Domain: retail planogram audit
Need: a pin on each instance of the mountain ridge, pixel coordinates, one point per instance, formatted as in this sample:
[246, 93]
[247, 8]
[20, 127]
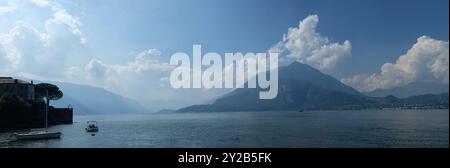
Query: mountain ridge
[87, 99]
[412, 89]
[302, 87]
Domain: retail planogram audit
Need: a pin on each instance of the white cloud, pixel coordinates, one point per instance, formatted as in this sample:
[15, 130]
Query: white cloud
[305, 44]
[26, 49]
[426, 60]
[7, 7]
[41, 3]
[144, 61]
[21, 41]
[147, 60]
[111, 75]
[145, 78]
[96, 69]
[73, 72]
[61, 16]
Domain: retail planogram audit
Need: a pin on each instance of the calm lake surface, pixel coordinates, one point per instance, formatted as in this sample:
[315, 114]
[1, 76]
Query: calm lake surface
[367, 128]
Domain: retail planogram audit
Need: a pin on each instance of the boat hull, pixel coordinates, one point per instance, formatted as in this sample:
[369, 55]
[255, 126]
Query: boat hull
[38, 135]
[91, 129]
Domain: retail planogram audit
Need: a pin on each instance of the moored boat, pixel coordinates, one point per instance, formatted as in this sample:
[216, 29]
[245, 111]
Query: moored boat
[38, 135]
[92, 126]
[35, 135]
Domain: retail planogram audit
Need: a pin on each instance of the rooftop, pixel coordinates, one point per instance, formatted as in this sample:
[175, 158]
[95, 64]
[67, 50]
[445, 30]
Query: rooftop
[9, 80]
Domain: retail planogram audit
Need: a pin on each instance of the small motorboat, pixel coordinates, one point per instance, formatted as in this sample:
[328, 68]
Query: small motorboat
[36, 135]
[92, 126]
[301, 110]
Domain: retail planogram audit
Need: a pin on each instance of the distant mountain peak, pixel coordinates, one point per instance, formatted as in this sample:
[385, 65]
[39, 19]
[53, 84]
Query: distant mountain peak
[306, 73]
[301, 66]
[296, 63]
[300, 86]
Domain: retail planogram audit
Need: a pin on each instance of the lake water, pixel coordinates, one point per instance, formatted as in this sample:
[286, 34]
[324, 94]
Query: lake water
[367, 128]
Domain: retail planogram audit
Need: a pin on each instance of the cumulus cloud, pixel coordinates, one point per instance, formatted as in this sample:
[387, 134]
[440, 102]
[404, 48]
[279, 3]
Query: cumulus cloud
[96, 69]
[26, 49]
[305, 44]
[148, 60]
[41, 3]
[145, 78]
[145, 63]
[140, 78]
[7, 7]
[61, 16]
[73, 72]
[426, 60]
[14, 44]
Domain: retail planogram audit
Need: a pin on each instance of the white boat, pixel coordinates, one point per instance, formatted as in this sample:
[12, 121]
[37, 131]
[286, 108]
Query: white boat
[35, 135]
[92, 126]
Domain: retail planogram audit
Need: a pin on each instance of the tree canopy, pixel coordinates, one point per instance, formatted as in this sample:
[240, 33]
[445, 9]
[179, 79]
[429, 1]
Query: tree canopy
[12, 103]
[53, 91]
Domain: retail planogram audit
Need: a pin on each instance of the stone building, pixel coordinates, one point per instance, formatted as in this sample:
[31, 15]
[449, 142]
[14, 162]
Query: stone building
[35, 117]
[18, 87]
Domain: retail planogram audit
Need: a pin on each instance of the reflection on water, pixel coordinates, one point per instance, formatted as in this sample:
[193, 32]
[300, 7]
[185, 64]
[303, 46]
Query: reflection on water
[368, 128]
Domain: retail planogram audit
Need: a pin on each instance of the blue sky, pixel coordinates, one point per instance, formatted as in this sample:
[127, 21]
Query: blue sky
[379, 30]
[91, 39]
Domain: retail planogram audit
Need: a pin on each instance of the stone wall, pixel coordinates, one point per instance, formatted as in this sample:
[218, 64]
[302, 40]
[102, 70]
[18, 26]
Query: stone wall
[35, 118]
[58, 116]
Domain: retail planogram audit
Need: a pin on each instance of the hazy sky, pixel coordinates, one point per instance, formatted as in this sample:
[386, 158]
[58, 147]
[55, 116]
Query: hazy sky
[124, 46]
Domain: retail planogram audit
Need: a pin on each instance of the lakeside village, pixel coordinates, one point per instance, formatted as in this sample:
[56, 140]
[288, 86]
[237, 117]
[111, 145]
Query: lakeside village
[23, 105]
